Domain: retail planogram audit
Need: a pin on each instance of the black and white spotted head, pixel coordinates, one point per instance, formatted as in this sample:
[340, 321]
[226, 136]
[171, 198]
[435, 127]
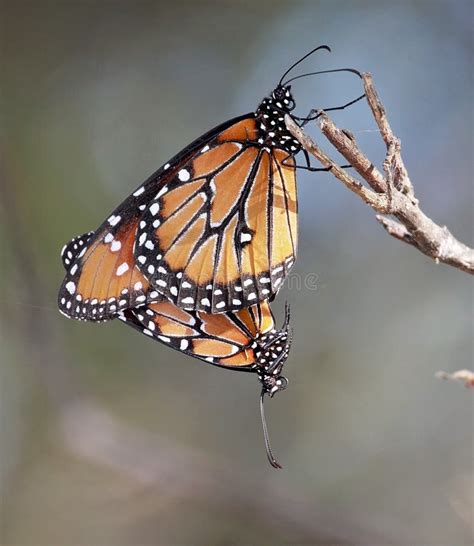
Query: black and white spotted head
[271, 353]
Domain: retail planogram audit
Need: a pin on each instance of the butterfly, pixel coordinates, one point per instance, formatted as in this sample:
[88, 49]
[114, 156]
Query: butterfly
[214, 229]
[246, 341]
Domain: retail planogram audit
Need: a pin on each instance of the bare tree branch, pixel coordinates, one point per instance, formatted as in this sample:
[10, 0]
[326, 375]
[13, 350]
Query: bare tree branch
[465, 376]
[390, 194]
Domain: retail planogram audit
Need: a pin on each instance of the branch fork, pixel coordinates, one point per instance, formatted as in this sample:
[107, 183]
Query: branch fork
[391, 194]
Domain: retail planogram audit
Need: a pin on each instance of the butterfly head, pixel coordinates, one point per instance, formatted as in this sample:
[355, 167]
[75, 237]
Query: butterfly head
[283, 98]
[272, 352]
[277, 104]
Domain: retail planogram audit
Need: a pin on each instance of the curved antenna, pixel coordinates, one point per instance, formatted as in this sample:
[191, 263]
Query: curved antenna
[286, 324]
[353, 70]
[327, 48]
[268, 447]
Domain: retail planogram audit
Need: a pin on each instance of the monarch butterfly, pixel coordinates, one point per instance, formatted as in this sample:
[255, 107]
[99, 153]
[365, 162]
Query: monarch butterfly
[213, 230]
[246, 340]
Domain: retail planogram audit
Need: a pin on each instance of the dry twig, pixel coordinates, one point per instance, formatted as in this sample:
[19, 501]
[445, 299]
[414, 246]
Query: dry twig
[465, 376]
[390, 194]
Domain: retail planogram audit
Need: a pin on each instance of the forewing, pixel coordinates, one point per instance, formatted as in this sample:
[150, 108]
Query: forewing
[102, 275]
[221, 234]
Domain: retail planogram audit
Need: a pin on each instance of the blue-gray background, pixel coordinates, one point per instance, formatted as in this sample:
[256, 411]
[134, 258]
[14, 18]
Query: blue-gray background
[111, 439]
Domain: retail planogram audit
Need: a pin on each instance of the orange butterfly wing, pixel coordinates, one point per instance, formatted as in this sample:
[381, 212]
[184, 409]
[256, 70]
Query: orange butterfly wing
[221, 235]
[226, 339]
[103, 277]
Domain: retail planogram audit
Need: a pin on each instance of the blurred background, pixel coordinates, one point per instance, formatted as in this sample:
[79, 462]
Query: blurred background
[110, 438]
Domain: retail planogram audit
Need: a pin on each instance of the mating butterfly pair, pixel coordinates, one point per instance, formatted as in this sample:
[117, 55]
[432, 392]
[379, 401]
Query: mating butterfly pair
[195, 254]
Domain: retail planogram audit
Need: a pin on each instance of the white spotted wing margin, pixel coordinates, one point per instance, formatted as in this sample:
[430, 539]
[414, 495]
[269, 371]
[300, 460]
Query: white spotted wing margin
[73, 302]
[73, 248]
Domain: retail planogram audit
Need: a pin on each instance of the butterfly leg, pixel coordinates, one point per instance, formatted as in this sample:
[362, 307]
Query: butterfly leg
[315, 114]
[308, 166]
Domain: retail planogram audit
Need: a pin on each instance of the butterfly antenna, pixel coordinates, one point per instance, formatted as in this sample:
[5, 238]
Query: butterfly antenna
[268, 447]
[327, 48]
[286, 324]
[353, 70]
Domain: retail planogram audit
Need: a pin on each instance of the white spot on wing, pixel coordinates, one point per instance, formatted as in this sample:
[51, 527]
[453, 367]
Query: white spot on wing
[163, 190]
[114, 220]
[122, 268]
[71, 287]
[116, 245]
[184, 175]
